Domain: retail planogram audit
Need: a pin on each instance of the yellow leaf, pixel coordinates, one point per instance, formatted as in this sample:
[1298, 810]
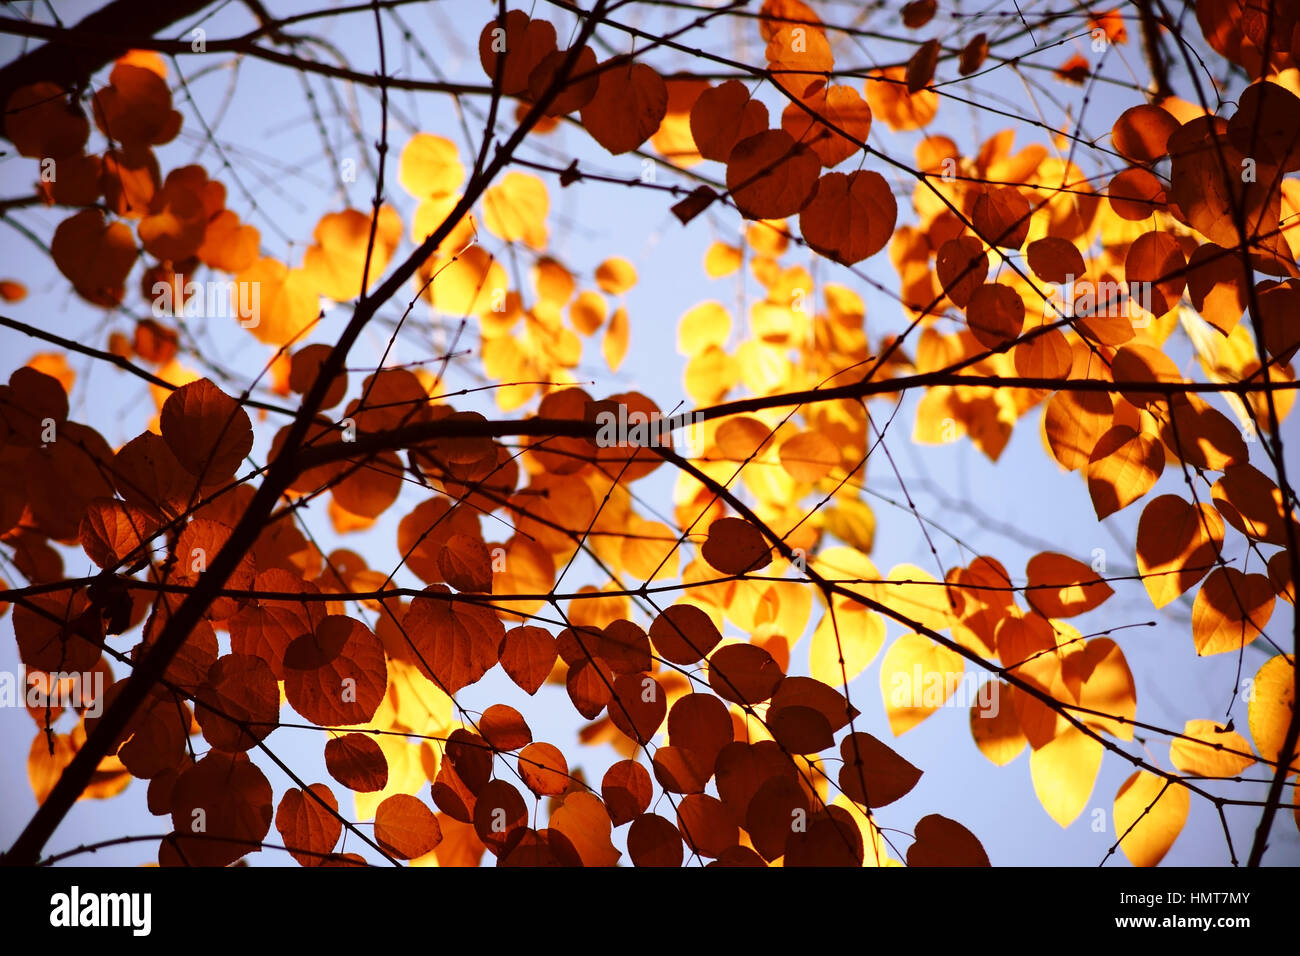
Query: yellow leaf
[553, 281]
[285, 303]
[430, 167]
[588, 311]
[702, 326]
[847, 566]
[1272, 704]
[1064, 772]
[1098, 676]
[853, 522]
[785, 607]
[1204, 757]
[468, 285]
[334, 265]
[1156, 818]
[516, 209]
[721, 260]
[916, 594]
[763, 367]
[994, 725]
[809, 456]
[710, 375]
[615, 275]
[616, 338]
[916, 677]
[861, 632]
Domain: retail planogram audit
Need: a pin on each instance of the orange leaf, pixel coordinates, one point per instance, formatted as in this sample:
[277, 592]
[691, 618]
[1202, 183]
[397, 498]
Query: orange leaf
[1250, 501]
[357, 762]
[1055, 260]
[839, 120]
[918, 13]
[638, 706]
[962, 266]
[1156, 260]
[309, 830]
[626, 790]
[455, 643]
[239, 687]
[1177, 543]
[849, 217]
[944, 842]
[796, 54]
[466, 564]
[1230, 610]
[920, 68]
[94, 255]
[744, 673]
[1135, 194]
[1001, 217]
[706, 825]
[405, 827]
[628, 107]
[771, 176]
[996, 729]
[225, 799]
[1060, 586]
[872, 773]
[723, 116]
[544, 769]
[524, 41]
[337, 674]
[973, 54]
[1074, 422]
[1123, 467]
[654, 841]
[683, 634]
[207, 431]
[808, 456]
[498, 814]
[42, 120]
[889, 99]
[995, 314]
[734, 546]
[528, 656]
[1141, 134]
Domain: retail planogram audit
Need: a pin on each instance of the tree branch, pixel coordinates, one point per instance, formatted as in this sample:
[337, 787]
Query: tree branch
[71, 64]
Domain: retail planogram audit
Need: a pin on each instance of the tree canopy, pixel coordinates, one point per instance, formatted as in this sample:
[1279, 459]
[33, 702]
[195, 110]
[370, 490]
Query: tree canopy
[619, 432]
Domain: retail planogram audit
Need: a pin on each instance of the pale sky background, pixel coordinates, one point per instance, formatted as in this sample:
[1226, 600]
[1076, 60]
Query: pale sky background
[1023, 505]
